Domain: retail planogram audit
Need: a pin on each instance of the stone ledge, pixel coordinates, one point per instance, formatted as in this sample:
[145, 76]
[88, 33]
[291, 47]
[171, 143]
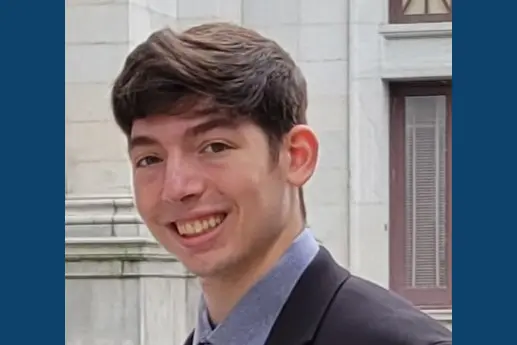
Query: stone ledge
[119, 258]
[103, 216]
[442, 315]
[86, 210]
[416, 30]
[431, 72]
[113, 248]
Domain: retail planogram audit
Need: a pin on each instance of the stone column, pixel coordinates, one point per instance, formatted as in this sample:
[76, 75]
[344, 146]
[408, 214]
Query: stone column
[323, 57]
[369, 143]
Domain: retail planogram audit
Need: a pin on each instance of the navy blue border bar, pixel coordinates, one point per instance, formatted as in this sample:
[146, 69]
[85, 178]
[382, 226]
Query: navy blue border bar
[32, 171]
[484, 173]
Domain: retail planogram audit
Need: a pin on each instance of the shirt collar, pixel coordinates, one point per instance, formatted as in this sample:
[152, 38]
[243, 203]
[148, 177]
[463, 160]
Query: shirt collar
[257, 311]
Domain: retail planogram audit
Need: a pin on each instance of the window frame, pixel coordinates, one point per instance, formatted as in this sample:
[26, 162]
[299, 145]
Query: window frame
[425, 298]
[397, 16]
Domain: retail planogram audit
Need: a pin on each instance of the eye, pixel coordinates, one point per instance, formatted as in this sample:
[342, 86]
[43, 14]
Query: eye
[215, 147]
[147, 161]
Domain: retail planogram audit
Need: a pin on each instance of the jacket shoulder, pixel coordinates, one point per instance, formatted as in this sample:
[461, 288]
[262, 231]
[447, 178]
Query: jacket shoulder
[365, 313]
[190, 339]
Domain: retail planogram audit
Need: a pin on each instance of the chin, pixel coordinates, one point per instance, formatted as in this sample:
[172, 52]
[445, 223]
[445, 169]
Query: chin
[202, 271]
[206, 266]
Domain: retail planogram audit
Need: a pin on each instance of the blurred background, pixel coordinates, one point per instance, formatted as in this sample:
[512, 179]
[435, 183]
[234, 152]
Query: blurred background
[379, 75]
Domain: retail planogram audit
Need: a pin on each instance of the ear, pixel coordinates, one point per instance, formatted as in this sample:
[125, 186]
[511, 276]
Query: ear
[302, 150]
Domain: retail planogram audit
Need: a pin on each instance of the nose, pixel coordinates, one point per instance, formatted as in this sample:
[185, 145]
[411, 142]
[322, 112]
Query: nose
[182, 183]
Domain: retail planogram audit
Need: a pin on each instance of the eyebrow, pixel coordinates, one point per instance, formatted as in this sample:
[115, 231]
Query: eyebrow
[194, 131]
[210, 124]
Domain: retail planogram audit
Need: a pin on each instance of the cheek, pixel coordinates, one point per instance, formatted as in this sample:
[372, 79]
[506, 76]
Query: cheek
[146, 194]
[250, 190]
[245, 179]
[235, 180]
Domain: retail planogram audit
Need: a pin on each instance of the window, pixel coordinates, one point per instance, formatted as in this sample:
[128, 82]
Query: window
[420, 11]
[420, 193]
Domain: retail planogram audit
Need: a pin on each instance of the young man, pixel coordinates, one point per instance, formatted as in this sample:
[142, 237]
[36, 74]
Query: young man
[216, 124]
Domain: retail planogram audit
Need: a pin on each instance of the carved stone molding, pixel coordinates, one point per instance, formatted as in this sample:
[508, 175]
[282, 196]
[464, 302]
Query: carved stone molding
[106, 216]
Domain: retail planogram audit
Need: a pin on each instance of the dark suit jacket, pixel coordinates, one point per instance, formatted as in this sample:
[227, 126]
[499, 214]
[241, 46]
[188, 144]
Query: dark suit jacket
[330, 306]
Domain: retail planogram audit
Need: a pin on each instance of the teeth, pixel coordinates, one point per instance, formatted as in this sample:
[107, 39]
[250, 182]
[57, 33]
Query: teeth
[199, 226]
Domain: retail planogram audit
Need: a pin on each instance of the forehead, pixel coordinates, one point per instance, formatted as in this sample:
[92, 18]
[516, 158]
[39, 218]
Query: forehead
[185, 107]
[179, 125]
[162, 123]
[187, 112]
[165, 130]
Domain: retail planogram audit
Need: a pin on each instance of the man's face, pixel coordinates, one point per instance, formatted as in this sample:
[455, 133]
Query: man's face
[208, 189]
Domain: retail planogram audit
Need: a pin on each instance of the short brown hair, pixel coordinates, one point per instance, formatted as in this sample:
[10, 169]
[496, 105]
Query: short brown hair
[235, 68]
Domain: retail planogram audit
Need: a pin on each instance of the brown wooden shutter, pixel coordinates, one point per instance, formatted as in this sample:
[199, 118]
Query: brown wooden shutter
[420, 248]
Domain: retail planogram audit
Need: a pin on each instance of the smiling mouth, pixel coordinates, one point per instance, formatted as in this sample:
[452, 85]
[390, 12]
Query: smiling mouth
[199, 226]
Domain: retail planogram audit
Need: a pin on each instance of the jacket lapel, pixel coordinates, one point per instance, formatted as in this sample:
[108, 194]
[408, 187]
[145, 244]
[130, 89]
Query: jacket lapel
[299, 319]
[190, 339]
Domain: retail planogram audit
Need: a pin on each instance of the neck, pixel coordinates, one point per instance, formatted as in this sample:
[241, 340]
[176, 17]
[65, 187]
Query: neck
[222, 293]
